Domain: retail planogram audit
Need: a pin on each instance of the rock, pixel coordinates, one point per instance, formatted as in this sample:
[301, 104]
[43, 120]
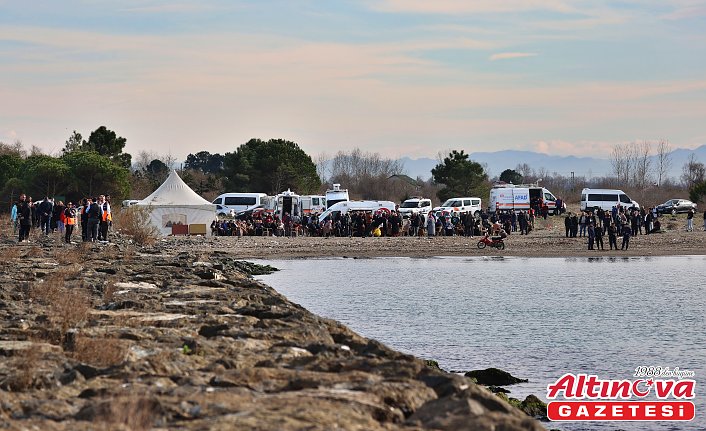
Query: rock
[471, 410]
[531, 405]
[494, 377]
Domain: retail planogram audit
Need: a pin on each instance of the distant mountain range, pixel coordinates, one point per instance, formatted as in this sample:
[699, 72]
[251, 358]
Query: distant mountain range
[498, 161]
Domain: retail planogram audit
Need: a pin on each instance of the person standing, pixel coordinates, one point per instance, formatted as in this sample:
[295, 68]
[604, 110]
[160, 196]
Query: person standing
[704, 220]
[45, 210]
[522, 220]
[13, 218]
[24, 216]
[574, 225]
[567, 224]
[612, 236]
[58, 217]
[690, 220]
[106, 218]
[83, 211]
[627, 231]
[431, 225]
[591, 235]
[599, 238]
[69, 221]
[93, 214]
[582, 224]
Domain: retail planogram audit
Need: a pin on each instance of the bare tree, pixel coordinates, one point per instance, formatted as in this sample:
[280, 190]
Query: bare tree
[364, 174]
[16, 148]
[322, 166]
[526, 171]
[35, 151]
[663, 160]
[693, 172]
[642, 164]
[619, 162]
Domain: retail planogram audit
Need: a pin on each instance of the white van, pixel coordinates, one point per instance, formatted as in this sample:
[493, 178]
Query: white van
[605, 199]
[345, 207]
[461, 205]
[520, 198]
[336, 195]
[240, 202]
[415, 205]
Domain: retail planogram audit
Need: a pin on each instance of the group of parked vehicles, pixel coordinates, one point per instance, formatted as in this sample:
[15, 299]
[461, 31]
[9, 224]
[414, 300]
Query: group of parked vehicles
[503, 197]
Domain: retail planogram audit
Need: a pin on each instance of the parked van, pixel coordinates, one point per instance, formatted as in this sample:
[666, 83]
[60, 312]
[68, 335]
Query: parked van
[461, 205]
[415, 205]
[313, 204]
[345, 207]
[605, 199]
[288, 202]
[336, 195]
[240, 202]
[521, 197]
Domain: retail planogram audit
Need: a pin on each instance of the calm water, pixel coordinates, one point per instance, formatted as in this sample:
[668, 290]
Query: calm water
[534, 317]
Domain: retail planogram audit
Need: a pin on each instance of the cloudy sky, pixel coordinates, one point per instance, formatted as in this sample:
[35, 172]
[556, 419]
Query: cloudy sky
[399, 77]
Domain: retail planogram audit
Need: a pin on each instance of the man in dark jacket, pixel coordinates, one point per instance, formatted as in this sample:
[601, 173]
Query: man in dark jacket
[627, 232]
[45, 211]
[94, 217]
[24, 216]
[599, 238]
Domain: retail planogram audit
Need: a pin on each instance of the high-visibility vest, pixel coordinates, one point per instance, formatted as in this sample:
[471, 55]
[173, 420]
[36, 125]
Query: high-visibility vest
[105, 213]
[70, 220]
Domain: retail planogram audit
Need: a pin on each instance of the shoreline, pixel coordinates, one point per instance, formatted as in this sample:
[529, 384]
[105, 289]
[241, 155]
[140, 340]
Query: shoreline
[546, 243]
[178, 336]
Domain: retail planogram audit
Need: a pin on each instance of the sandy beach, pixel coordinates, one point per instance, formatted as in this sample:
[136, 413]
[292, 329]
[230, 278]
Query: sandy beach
[547, 240]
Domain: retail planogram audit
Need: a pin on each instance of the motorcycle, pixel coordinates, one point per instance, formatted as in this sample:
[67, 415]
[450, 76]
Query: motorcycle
[492, 242]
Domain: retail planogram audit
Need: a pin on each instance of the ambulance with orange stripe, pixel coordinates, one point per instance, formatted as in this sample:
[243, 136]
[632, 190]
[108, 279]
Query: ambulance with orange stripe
[520, 197]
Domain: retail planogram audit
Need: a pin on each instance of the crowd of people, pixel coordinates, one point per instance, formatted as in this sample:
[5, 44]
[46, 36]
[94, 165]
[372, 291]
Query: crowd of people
[618, 222]
[378, 223]
[92, 215]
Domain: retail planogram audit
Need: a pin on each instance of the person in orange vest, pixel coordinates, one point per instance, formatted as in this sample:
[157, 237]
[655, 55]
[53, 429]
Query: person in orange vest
[69, 221]
[106, 218]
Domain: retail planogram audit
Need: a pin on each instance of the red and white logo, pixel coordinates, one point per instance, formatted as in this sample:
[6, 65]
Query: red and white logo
[586, 397]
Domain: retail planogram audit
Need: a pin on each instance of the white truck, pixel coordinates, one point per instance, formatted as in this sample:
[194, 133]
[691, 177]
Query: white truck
[415, 205]
[336, 195]
[520, 197]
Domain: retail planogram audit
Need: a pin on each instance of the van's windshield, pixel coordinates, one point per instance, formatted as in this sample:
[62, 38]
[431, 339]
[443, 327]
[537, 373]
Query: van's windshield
[452, 203]
[408, 204]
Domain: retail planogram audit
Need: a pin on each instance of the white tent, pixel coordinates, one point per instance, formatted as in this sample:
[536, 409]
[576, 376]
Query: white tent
[175, 203]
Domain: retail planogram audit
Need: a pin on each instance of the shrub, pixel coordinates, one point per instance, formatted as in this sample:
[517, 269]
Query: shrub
[99, 352]
[135, 222]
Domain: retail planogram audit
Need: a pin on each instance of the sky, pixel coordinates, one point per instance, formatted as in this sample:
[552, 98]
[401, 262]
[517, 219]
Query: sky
[396, 77]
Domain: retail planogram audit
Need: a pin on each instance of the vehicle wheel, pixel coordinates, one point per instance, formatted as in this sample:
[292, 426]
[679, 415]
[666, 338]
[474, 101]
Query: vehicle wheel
[501, 246]
[674, 211]
[481, 245]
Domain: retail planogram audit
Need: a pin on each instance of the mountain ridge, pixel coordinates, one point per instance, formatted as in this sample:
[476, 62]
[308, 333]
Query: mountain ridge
[498, 161]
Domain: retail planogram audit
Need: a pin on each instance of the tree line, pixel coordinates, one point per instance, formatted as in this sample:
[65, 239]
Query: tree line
[86, 167]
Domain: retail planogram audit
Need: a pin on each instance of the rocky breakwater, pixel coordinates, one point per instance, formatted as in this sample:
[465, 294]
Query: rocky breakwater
[118, 337]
